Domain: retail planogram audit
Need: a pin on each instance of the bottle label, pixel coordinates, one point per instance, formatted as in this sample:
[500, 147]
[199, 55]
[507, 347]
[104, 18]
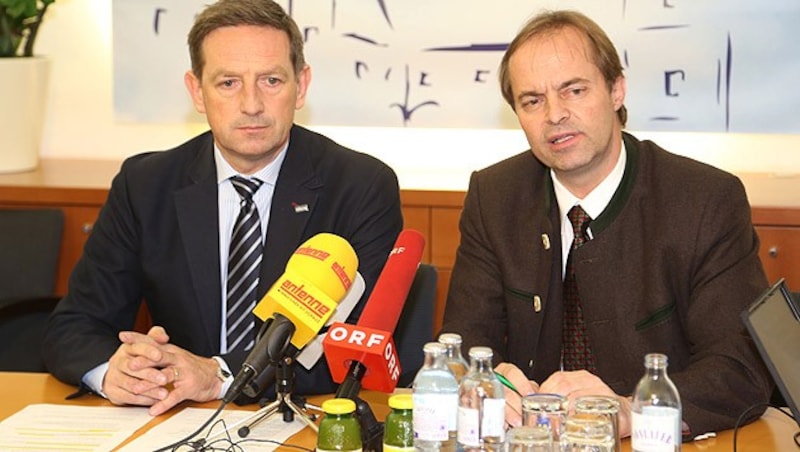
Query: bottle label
[494, 418]
[468, 427]
[656, 429]
[432, 416]
[388, 448]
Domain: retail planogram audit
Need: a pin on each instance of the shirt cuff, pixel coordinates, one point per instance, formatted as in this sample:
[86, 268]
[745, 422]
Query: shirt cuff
[227, 380]
[94, 379]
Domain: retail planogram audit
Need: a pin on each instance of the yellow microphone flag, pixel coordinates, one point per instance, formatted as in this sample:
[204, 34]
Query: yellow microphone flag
[317, 276]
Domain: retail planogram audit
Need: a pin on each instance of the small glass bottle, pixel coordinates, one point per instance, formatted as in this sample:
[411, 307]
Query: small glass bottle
[398, 431]
[656, 409]
[339, 430]
[481, 405]
[455, 360]
[435, 402]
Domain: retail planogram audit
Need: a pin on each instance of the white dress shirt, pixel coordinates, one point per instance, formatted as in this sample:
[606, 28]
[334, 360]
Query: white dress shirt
[593, 204]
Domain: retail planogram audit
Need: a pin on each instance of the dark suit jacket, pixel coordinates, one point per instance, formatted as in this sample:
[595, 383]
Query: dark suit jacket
[672, 265]
[157, 239]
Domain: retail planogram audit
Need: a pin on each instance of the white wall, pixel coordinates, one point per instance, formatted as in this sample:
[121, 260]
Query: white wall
[80, 124]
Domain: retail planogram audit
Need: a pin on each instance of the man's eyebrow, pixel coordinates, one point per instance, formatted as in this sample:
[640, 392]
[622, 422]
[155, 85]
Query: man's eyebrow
[571, 82]
[529, 93]
[220, 73]
[563, 85]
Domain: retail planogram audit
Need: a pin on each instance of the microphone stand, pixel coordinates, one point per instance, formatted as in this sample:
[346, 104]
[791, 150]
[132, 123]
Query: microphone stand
[284, 402]
[371, 428]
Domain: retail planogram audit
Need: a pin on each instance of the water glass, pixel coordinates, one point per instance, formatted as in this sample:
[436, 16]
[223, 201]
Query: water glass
[535, 438]
[587, 433]
[549, 410]
[601, 406]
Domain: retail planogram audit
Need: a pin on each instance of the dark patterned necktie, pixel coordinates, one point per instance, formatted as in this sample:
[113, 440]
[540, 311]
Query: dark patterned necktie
[244, 266]
[577, 352]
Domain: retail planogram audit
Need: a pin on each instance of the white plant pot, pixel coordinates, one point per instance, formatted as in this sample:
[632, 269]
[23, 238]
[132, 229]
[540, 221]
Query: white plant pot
[23, 95]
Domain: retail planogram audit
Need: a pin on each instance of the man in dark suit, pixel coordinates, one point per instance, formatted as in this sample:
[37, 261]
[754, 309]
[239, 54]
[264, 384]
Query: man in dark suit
[667, 264]
[164, 234]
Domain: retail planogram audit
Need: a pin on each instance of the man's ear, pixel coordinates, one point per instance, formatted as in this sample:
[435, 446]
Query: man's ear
[618, 92]
[195, 88]
[303, 80]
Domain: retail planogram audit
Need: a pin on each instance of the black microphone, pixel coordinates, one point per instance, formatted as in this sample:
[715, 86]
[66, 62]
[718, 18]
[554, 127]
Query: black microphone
[270, 348]
[258, 384]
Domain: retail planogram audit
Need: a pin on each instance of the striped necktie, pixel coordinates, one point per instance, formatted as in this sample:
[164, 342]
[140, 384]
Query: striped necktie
[244, 266]
[577, 351]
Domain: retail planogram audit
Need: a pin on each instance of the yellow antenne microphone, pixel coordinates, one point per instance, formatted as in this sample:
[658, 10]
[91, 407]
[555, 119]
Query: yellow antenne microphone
[317, 276]
[298, 304]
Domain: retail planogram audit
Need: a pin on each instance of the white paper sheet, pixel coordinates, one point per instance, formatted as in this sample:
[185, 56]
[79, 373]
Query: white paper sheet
[50, 427]
[190, 419]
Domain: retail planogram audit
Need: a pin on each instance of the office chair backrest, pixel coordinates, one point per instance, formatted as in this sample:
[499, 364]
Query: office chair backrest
[22, 323]
[30, 242]
[415, 326]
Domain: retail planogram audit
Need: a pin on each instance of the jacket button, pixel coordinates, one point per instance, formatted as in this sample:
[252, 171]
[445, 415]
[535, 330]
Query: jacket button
[537, 303]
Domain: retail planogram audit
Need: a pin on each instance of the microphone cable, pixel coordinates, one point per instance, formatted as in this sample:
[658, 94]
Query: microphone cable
[186, 439]
[211, 442]
[756, 406]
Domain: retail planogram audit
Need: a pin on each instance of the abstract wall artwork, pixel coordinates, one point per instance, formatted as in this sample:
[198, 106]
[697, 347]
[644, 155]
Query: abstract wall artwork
[691, 65]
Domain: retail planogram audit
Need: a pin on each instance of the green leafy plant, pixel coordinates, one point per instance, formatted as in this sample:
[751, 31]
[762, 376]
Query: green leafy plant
[19, 25]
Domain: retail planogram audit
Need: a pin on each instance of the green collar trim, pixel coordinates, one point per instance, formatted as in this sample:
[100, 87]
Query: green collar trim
[623, 192]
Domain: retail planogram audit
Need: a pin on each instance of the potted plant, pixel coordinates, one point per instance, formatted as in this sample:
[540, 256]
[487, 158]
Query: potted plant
[23, 84]
[19, 25]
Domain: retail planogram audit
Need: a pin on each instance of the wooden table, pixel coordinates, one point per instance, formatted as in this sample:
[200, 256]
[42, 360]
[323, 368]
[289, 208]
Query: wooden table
[19, 389]
[773, 432]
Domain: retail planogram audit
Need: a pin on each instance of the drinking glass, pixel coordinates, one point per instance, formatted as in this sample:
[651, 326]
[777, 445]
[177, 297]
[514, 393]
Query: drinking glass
[535, 438]
[549, 410]
[587, 433]
[602, 406]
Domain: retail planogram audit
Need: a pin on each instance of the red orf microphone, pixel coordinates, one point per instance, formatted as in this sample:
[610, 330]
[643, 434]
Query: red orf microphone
[364, 354]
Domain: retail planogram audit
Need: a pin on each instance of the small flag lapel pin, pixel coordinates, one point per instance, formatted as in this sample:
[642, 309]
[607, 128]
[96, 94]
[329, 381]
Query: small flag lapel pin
[298, 208]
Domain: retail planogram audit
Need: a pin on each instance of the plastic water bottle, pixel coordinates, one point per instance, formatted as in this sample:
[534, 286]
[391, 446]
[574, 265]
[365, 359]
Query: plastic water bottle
[455, 360]
[481, 405]
[435, 397]
[656, 409]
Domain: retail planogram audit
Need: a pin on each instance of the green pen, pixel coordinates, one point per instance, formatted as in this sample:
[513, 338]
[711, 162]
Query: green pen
[506, 383]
